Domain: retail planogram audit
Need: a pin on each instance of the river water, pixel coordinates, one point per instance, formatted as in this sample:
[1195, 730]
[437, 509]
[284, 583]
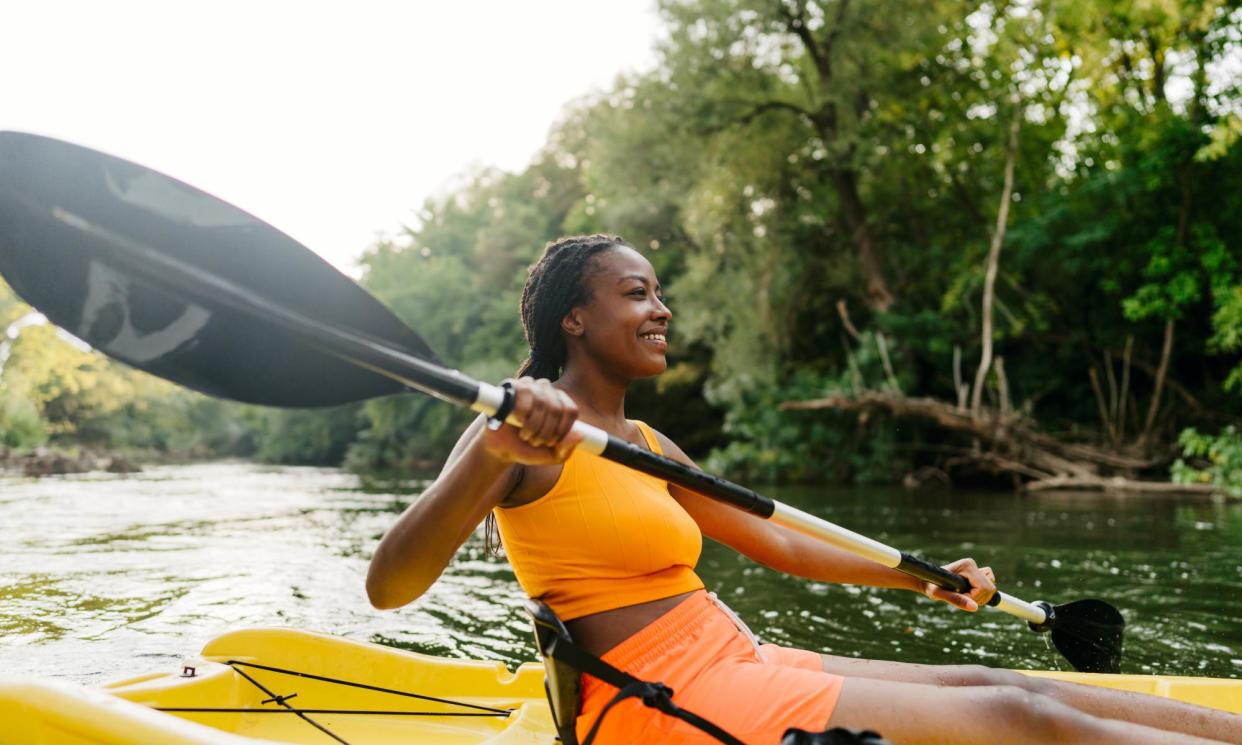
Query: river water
[107, 576]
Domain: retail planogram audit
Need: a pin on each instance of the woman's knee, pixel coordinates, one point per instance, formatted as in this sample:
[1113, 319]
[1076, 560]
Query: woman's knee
[1041, 716]
[978, 675]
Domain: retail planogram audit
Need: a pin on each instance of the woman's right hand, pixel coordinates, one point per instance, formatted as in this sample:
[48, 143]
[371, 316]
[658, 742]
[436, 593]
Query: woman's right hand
[546, 436]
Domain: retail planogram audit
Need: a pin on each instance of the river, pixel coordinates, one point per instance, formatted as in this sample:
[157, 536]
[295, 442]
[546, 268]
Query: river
[106, 576]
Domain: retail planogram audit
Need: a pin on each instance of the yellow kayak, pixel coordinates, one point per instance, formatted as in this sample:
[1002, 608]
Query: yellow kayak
[283, 685]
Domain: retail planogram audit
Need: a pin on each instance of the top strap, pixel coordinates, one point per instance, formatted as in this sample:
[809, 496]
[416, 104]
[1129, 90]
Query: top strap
[653, 443]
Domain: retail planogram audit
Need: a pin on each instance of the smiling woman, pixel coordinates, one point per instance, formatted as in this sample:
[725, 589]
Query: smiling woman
[613, 553]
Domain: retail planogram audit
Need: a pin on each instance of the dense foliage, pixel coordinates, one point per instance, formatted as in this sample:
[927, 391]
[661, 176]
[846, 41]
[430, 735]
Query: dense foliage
[785, 156]
[1211, 459]
[789, 157]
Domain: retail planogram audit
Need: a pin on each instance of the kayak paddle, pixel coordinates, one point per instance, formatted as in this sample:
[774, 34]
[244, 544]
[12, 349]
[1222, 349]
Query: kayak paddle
[185, 286]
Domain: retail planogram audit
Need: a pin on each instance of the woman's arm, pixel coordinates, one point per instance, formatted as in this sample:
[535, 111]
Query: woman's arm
[482, 470]
[418, 547]
[792, 553]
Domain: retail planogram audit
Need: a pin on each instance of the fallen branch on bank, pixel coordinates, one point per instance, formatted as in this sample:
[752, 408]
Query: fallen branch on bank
[1008, 443]
[1119, 484]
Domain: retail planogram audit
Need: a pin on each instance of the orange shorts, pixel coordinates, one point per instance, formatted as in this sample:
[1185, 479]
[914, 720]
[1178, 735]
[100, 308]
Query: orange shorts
[715, 672]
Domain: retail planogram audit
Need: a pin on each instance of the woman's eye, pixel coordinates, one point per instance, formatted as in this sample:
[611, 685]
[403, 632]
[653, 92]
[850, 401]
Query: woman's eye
[640, 292]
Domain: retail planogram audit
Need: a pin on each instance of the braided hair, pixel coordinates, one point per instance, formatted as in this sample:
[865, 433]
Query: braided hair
[554, 286]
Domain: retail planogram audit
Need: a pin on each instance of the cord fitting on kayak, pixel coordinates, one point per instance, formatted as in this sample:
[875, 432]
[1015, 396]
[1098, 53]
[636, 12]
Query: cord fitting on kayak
[279, 699]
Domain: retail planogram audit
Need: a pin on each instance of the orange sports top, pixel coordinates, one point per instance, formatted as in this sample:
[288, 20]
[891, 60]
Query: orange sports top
[603, 537]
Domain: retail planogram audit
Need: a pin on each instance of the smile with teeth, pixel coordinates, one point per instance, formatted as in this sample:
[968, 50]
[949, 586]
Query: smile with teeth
[653, 337]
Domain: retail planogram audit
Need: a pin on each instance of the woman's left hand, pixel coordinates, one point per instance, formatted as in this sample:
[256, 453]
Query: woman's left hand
[982, 586]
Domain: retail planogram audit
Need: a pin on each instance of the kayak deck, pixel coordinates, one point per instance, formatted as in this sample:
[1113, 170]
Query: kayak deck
[243, 688]
[253, 680]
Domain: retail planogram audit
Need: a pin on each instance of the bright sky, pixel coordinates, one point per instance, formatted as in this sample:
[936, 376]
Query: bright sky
[331, 120]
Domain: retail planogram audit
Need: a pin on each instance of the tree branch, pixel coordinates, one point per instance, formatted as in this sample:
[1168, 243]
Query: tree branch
[844, 312]
[1122, 398]
[1105, 420]
[1166, 352]
[989, 283]
[757, 109]
[795, 22]
[1173, 385]
[831, 39]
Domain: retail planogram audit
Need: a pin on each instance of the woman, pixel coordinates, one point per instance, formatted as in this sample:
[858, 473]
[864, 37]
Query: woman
[612, 551]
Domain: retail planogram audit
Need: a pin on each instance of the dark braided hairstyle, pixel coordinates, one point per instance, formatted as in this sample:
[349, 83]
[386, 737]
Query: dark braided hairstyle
[554, 286]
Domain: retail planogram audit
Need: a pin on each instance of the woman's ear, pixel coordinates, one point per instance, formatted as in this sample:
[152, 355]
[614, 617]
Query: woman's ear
[572, 323]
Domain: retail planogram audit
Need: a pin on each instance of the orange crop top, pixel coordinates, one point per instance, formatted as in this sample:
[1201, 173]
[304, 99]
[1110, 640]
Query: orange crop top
[603, 537]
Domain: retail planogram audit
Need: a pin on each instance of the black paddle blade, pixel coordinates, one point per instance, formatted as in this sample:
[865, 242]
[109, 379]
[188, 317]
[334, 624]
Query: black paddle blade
[74, 226]
[1088, 632]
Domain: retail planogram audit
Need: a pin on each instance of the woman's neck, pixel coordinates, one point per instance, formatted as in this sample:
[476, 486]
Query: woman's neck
[600, 399]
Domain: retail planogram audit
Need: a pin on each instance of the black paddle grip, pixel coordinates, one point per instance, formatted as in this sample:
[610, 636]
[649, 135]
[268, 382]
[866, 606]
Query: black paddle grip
[938, 575]
[628, 454]
[933, 573]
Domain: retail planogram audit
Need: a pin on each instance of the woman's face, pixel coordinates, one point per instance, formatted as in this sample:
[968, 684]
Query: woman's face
[625, 322]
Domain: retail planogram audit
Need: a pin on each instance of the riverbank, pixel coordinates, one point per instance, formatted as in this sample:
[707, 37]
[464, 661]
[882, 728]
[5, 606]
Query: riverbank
[61, 461]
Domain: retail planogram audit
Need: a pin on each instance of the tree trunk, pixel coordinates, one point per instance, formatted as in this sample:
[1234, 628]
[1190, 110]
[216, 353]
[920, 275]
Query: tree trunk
[1166, 350]
[1122, 399]
[1162, 372]
[854, 215]
[1105, 420]
[989, 282]
[824, 115]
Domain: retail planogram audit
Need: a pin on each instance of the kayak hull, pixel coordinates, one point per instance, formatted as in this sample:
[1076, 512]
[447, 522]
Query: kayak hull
[1216, 693]
[355, 692]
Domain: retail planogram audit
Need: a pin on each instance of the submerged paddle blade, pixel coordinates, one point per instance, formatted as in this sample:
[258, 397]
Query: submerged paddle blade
[75, 225]
[1088, 632]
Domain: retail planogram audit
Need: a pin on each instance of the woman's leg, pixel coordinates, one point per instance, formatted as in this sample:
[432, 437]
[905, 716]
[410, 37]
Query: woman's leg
[910, 713]
[1152, 711]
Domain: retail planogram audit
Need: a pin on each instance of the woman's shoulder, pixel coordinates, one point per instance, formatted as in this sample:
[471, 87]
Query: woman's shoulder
[667, 447]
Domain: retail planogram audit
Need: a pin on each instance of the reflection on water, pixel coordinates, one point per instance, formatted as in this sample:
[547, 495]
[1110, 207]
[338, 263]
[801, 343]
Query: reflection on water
[104, 576]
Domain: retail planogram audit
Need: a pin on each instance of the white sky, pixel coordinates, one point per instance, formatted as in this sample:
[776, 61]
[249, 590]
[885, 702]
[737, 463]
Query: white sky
[331, 120]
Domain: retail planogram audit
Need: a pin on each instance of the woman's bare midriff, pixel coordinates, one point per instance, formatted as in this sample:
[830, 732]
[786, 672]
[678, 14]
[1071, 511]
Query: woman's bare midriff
[600, 632]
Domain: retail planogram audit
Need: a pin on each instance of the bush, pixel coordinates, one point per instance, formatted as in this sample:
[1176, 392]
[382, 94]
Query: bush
[20, 423]
[318, 437]
[771, 445]
[1211, 459]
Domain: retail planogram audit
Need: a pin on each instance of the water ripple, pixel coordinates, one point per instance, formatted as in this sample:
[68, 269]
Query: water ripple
[106, 576]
